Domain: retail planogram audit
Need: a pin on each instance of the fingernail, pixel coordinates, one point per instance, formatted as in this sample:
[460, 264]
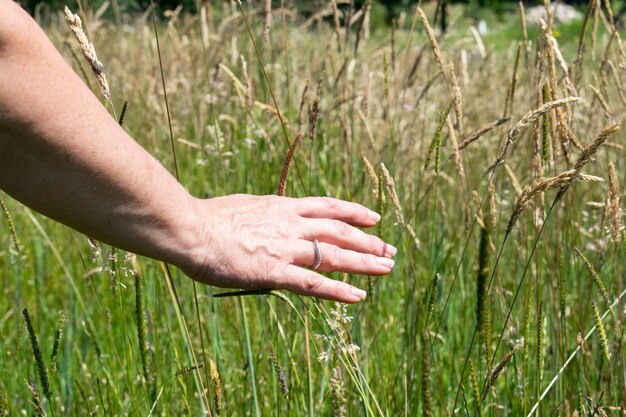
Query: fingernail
[373, 215]
[386, 262]
[390, 250]
[358, 293]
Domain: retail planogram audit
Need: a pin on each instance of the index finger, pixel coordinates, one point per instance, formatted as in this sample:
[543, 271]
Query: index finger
[332, 208]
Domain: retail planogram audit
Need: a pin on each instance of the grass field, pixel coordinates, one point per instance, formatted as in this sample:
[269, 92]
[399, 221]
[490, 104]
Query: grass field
[505, 298]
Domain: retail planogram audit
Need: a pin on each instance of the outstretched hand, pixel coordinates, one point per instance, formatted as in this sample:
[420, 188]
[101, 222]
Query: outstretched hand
[254, 242]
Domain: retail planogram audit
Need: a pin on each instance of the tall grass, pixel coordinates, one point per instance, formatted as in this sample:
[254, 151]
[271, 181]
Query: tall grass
[506, 258]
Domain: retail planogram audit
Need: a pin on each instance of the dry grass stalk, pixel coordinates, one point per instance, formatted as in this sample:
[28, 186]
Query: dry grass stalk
[7, 215]
[89, 52]
[618, 84]
[540, 185]
[511, 91]
[372, 174]
[337, 25]
[456, 155]
[314, 110]
[497, 371]
[268, 20]
[247, 82]
[280, 375]
[530, 117]
[36, 401]
[433, 41]
[303, 100]
[522, 13]
[474, 136]
[457, 98]
[217, 388]
[390, 185]
[514, 181]
[284, 173]
[605, 106]
[615, 212]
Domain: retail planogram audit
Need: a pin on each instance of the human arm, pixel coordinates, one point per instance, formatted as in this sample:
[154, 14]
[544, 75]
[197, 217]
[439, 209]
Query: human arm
[62, 154]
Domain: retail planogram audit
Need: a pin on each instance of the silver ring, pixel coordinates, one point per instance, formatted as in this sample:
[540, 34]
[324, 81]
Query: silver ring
[318, 255]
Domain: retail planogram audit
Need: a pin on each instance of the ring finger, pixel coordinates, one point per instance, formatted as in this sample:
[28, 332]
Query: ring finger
[334, 258]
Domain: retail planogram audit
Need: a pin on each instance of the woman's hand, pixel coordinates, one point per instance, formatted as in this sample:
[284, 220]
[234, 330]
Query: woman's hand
[255, 242]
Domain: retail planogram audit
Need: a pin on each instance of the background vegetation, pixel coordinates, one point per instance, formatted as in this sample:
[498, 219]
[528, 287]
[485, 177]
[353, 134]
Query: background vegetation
[481, 316]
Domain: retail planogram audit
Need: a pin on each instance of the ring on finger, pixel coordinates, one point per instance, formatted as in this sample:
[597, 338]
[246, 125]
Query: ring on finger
[318, 255]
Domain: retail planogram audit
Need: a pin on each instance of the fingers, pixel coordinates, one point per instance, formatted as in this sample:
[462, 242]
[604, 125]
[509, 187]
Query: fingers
[304, 282]
[335, 258]
[331, 208]
[345, 236]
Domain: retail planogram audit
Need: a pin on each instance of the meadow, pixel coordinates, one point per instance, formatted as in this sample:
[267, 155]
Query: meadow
[496, 161]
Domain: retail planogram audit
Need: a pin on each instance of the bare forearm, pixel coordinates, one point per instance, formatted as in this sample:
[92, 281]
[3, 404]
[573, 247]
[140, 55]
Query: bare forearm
[62, 154]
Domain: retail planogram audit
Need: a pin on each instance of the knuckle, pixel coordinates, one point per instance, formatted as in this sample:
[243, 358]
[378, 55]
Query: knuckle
[336, 256]
[330, 203]
[311, 283]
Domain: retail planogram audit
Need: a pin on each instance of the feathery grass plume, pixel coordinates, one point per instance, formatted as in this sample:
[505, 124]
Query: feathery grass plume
[605, 106]
[458, 161]
[247, 82]
[433, 41]
[303, 100]
[58, 335]
[314, 110]
[496, 372]
[562, 284]
[596, 280]
[483, 321]
[284, 173]
[475, 391]
[615, 212]
[217, 388]
[426, 388]
[89, 52]
[268, 20]
[588, 152]
[79, 62]
[511, 91]
[528, 118]
[474, 136]
[372, 174]
[390, 185]
[41, 368]
[435, 143]
[36, 401]
[457, 98]
[338, 393]
[7, 215]
[540, 353]
[601, 332]
[539, 185]
[280, 375]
